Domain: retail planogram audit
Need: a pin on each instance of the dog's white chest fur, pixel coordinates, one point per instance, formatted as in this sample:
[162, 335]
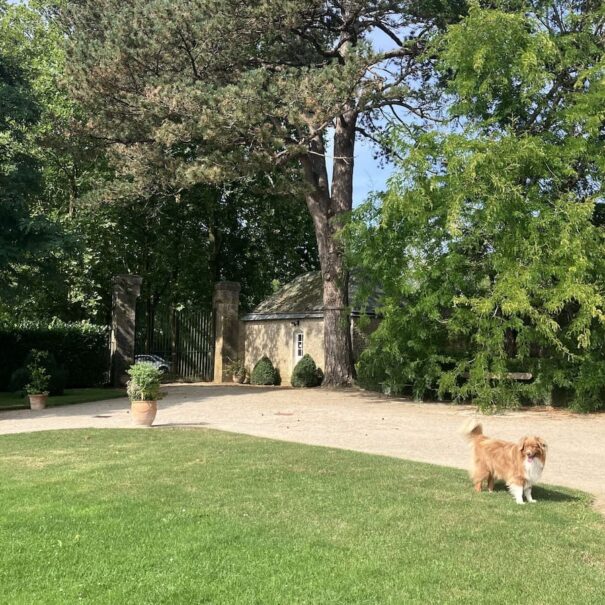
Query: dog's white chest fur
[533, 470]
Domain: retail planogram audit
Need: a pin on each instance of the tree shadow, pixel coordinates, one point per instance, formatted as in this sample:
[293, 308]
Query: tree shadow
[179, 425]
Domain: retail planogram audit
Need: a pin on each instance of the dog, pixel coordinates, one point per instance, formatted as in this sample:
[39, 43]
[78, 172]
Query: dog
[519, 464]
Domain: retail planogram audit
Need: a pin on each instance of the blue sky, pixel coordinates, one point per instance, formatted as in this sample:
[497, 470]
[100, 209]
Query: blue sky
[368, 175]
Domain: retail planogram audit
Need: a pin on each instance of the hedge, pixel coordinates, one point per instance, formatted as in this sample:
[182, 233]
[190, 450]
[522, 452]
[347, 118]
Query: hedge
[81, 348]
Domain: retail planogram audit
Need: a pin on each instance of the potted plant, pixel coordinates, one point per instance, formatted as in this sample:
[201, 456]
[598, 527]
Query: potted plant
[143, 390]
[237, 369]
[37, 387]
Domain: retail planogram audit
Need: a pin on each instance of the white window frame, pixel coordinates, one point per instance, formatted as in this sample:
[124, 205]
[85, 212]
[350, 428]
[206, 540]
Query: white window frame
[299, 337]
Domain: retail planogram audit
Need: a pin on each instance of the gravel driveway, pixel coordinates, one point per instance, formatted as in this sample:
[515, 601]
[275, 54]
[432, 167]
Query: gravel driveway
[353, 420]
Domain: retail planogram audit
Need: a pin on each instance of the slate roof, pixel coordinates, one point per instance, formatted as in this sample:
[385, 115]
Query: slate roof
[302, 298]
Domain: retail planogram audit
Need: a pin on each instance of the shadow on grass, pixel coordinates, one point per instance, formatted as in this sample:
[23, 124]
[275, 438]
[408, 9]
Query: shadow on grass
[544, 494]
[549, 494]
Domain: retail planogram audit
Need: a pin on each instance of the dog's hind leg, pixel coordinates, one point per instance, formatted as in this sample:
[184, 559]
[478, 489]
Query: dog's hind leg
[490, 483]
[479, 475]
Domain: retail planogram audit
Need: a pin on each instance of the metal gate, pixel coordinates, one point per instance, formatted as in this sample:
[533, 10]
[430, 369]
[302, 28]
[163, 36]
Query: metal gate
[184, 338]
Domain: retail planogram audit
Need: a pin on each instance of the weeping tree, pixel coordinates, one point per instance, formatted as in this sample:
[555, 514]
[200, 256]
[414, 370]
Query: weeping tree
[210, 90]
[489, 243]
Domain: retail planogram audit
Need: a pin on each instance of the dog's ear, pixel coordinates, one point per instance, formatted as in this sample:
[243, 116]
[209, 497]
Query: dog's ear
[521, 443]
[542, 443]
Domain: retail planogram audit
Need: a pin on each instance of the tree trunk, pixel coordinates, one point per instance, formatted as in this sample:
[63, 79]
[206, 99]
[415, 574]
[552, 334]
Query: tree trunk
[215, 242]
[327, 209]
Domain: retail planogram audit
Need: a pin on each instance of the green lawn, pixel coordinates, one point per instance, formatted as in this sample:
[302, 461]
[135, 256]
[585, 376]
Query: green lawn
[195, 516]
[11, 400]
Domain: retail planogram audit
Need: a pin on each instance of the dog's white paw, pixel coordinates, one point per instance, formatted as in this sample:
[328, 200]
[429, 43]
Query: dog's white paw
[532, 501]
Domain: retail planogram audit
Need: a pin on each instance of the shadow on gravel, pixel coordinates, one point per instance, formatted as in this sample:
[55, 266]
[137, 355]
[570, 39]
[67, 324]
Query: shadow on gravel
[179, 425]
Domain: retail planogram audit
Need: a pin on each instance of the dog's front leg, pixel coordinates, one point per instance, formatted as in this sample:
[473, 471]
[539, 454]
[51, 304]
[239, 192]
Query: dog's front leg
[517, 492]
[527, 493]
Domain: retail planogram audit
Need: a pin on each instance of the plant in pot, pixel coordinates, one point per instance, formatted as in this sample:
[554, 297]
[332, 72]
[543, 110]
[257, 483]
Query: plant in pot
[143, 390]
[37, 387]
[237, 369]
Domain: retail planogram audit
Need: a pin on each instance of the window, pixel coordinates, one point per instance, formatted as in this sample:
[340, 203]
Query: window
[299, 346]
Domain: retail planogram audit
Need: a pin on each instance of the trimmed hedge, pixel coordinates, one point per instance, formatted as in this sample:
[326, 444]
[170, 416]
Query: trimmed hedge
[306, 373]
[264, 372]
[81, 348]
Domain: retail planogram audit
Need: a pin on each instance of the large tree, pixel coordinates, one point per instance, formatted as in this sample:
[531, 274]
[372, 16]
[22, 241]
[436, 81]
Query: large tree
[25, 235]
[181, 240]
[489, 243]
[210, 90]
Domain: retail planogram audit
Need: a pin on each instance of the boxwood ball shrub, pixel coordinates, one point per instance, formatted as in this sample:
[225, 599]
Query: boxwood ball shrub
[306, 373]
[264, 372]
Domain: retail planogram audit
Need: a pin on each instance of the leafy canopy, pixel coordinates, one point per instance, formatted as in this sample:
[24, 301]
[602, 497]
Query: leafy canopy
[489, 244]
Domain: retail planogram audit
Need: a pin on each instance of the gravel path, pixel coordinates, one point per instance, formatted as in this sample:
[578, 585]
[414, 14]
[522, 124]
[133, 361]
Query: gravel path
[351, 420]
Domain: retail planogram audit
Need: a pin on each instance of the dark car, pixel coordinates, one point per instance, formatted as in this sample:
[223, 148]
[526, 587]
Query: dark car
[160, 363]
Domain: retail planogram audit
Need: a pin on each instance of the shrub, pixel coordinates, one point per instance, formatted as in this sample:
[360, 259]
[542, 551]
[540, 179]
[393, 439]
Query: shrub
[144, 383]
[236, 369]
[80, 348]
[57, 375]
[39, 379]
[306, 373]
[264, 373]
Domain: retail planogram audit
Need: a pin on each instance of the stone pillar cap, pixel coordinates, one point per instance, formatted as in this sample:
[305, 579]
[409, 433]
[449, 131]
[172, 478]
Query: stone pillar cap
[231, 286]
[127, 277]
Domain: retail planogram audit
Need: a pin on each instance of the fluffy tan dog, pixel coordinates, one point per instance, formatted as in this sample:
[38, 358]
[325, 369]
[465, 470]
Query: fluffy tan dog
[519, 464]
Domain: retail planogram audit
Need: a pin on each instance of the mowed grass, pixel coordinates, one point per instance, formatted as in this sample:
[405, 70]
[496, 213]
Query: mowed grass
[71, 396]
[195, 516]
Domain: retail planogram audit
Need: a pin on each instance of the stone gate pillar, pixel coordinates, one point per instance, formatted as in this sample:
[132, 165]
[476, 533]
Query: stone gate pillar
[126, 290]
[225, 303]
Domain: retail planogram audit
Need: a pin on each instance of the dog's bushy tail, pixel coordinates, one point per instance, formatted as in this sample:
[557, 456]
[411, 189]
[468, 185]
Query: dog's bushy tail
[472, 429]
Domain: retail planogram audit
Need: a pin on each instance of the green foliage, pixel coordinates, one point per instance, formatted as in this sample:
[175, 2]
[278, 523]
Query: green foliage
[62, 242]
[39, 380]
[80, 348]
[236, 368]
[57, 374]
[306, 373]
[264, 373]
[31, 238]
[144, 383]
[488, 243]
[500, 62]
[25, 235]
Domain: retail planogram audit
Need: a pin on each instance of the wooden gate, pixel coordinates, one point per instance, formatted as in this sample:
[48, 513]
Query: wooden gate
[184, 338]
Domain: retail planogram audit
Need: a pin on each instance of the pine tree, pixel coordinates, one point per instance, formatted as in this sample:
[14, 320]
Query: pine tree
[213, 89]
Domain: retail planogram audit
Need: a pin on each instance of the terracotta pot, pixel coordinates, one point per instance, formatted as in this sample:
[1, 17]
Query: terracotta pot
[38, 401]
[143, 412]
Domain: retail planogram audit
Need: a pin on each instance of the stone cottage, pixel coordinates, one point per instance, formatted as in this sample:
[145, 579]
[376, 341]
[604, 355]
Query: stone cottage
[289, 324]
